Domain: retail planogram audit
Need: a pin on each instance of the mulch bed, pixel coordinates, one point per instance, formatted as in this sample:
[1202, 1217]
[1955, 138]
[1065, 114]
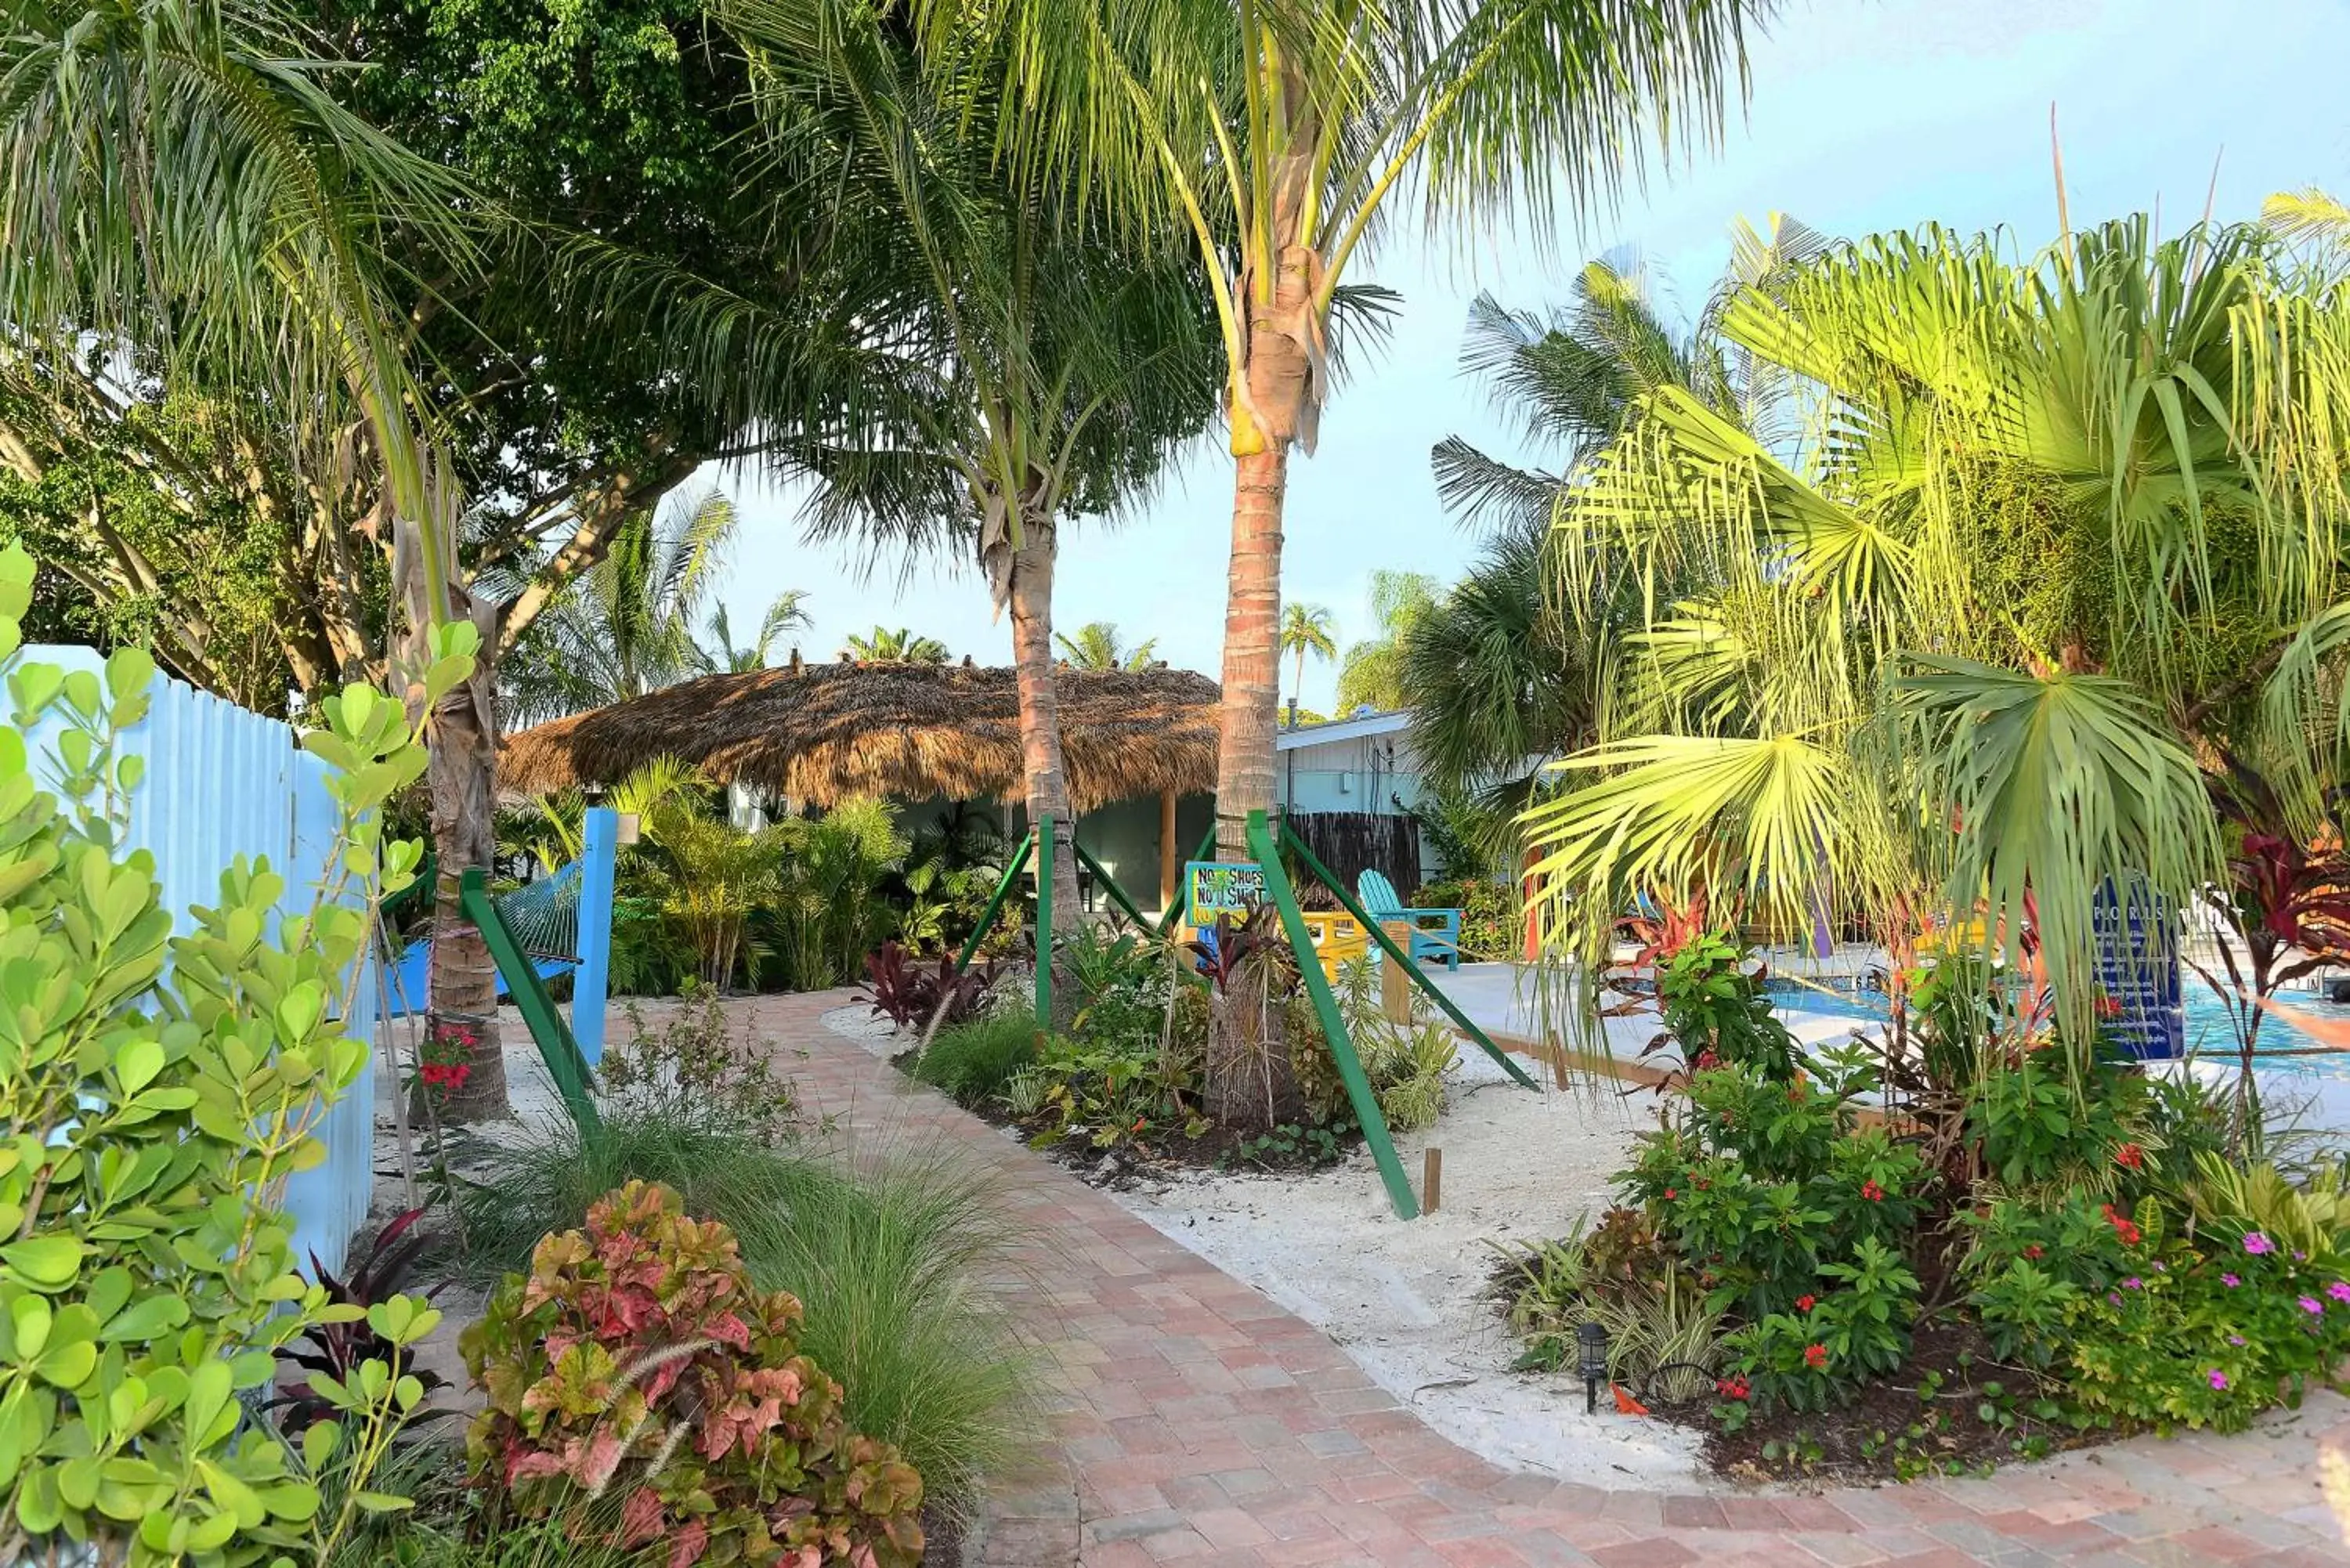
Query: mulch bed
[1218, 1151]
[1951, 1410]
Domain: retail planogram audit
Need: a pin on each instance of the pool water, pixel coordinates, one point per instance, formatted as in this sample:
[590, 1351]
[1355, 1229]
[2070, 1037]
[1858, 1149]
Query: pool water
[2208, 1030]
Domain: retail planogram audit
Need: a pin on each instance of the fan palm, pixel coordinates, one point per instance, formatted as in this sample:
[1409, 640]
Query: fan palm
[1096, 645]
[885, 645]
[1281, 132]
[1022, 373]
[1307, 628]
[2054, 534]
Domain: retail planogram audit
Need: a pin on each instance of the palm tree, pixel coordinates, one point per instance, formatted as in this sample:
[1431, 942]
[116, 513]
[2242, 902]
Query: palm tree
[1022, 373]
[625, 628]
[1280, 131]
[1307, 628]
[1371, 675]
[885, 646]
[788, 612]
[1096, 645]
[2067, 533]
[185, 188]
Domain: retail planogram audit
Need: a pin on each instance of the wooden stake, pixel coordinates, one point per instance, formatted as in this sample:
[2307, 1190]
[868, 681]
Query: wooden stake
[1431, 1180]
[1395, 986]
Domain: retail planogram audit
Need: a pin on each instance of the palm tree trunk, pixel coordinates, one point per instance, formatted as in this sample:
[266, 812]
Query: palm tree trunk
[461, 984]
[1277, 379]
[1040, 716]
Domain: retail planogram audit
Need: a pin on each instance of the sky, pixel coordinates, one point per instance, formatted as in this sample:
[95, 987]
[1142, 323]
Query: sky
[1865, 116]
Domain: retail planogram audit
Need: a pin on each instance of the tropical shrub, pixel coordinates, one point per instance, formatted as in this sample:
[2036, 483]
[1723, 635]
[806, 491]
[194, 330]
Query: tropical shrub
[907, 988]
[638, 1361]
[157, 1093]
[1716, 1010]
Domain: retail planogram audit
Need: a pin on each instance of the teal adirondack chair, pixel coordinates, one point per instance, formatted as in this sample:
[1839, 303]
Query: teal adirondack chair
[1435, 933]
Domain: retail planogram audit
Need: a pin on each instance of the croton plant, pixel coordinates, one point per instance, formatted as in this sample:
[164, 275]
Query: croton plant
[638, 1362]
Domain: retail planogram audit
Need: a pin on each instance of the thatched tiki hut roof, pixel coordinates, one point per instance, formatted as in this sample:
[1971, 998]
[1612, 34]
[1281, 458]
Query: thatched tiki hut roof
[819, 733]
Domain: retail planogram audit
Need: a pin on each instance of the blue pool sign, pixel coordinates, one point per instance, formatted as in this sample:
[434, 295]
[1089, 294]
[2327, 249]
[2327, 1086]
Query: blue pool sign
[1223, 887]
[2138, 969]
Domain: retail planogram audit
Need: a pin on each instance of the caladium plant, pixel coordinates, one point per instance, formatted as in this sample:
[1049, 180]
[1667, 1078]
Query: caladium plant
[638, 1362]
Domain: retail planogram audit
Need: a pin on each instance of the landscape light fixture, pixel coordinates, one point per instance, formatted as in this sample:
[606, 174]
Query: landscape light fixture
[1592, 1340]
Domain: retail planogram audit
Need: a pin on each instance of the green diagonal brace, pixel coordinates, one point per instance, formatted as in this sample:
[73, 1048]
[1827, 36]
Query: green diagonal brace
[1048, 849]
[1109, 883]
[1326, 1007]
[1379, 935]
[561, 1054]
[1013, 865]
[1182, 904]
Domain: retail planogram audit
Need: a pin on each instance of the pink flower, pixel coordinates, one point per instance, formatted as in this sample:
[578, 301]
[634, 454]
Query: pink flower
[2256, 1244]
[2339, 1289]
[2235, 1339]
[2312, 1305]
[2231, 1280]
[2133, 1284]
[2217, 1378]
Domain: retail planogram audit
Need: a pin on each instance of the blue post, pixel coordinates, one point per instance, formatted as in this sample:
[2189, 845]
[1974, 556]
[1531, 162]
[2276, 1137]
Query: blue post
[600, 843]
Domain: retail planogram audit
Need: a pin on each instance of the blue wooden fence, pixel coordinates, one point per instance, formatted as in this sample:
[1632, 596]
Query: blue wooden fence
[222, 782]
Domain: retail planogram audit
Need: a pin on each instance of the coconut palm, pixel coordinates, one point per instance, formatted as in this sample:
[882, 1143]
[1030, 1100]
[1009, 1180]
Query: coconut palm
[1281, 132]
[625, 628]
[1096, 645]
[1022, 373]
[787, 612]
[885, 645]
[185, 192]
[2058, 534]
[1307, 628]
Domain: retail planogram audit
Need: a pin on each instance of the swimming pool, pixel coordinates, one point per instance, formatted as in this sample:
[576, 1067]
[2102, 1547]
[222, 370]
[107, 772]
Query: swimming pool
[2208, 1031]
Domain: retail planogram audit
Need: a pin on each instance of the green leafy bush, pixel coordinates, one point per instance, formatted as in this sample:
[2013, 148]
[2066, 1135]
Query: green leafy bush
[638, 1361]
[1761, 1184]
[153, 1117]
[972, 1062]
[1716, 1008]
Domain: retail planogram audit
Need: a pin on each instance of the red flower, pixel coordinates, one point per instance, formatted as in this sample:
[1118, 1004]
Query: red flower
[1870, 1190]
[1731, 1387]
[2033, 1251]
[2124, 1226]
[1805, 1304]
[1671, 1194]
[2109, 1007]
[1706, 1058]
[2129, 1157]
[1815, 1356]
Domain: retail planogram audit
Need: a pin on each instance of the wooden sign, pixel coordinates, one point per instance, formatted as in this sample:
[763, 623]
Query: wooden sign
[1222, 887]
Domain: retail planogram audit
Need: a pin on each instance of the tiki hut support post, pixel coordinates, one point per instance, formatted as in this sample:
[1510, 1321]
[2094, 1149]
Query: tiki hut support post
[1166, 849]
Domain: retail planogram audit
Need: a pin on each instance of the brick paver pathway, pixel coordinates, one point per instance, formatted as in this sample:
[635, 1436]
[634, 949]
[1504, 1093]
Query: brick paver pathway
[1197, 1422]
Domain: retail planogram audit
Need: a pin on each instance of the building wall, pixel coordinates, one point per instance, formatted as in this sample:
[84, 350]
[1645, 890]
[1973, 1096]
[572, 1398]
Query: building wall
[1367, 772]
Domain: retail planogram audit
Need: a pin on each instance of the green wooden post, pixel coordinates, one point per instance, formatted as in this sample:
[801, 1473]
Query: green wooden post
[1378, 934]
[1109, 883]
[1045, 855]
[1326, 1007]
[561, 1054]
[1183, 905]
[1010, 879]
